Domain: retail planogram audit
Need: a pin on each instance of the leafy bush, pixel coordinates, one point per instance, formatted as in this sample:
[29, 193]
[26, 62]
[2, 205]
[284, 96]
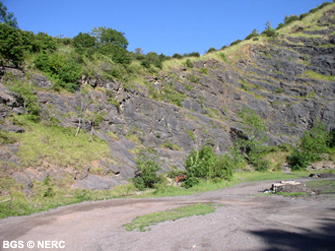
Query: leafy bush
[261, 165]
[244, 87]
[224, 58]
[253, 141]
[299, 160]
[255, 39]
[200, 164]
[11, 44]
[174, 172]
[42, 41]
[316, 140]
[192, 54]
[313, 143]
[176, 55]
[190, 182]
[154, 59]
[118, 54]
[145, 63]
[147, 168]
[224, 167]
[254, 33]
[189, 63]
[236, 42]
[280, 25]
[290, 19]
[303, 15]
[28, 98]
[319, 7]
[211, 49]
[205, 164]
[64, 70]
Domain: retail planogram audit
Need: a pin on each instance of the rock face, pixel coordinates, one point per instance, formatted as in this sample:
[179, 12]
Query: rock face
[41, 81]
[289, 82]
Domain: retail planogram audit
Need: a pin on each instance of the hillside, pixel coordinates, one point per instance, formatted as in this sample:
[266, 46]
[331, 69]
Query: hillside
[87, 134]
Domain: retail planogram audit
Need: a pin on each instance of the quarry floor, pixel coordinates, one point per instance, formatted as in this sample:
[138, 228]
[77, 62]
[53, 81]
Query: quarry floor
[244, 222]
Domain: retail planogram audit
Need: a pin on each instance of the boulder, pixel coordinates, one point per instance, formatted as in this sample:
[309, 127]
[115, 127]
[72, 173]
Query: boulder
[41, 81]
[95, 182]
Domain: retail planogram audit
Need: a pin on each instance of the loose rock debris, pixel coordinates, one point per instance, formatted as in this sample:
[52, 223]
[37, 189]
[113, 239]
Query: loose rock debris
[290, 186]
[322, 175]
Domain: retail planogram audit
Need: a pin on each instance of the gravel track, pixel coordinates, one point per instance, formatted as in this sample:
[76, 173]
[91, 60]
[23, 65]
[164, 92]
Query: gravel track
[245, 222]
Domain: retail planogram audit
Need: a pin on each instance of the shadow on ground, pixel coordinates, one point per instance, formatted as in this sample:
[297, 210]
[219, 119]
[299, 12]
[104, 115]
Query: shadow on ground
[322, 238]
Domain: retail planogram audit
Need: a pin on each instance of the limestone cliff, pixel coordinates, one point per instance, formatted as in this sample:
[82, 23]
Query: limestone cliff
[289, 81]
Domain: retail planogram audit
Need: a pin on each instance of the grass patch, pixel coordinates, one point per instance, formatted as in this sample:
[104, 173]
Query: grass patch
[260, 176]
[143, 222]
[167, 144]
[57, 145]
[293, 194]
[7, 137]
[112, 135]
[212, 113]
[309, 21]
[50, 194]
[168, 93]
[193, 78]
[322, 186]
[191, 134]
[53, 193]
[312, 74]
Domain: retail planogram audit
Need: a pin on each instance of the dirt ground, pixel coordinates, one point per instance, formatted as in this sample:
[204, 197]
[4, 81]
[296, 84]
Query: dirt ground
[245, 222]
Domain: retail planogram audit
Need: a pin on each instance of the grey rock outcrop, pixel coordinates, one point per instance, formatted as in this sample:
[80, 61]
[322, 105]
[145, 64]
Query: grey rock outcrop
[41, 81]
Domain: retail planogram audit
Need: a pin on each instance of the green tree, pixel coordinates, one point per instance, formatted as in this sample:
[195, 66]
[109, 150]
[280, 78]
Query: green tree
[83, 40]
[154, 59]
[139, 54]
[105, 36]
[316, 140]
[12, 44]
[254, 33]
[254, 144]
[269, 31]
[7, 17]
[118, 54]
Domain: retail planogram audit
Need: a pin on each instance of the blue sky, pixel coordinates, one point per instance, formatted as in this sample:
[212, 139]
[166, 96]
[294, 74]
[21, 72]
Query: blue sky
[162, 26]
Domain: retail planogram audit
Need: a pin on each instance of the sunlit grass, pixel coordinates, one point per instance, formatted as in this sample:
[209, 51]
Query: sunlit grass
[58, 145]
[143, 222]
[312, 74]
